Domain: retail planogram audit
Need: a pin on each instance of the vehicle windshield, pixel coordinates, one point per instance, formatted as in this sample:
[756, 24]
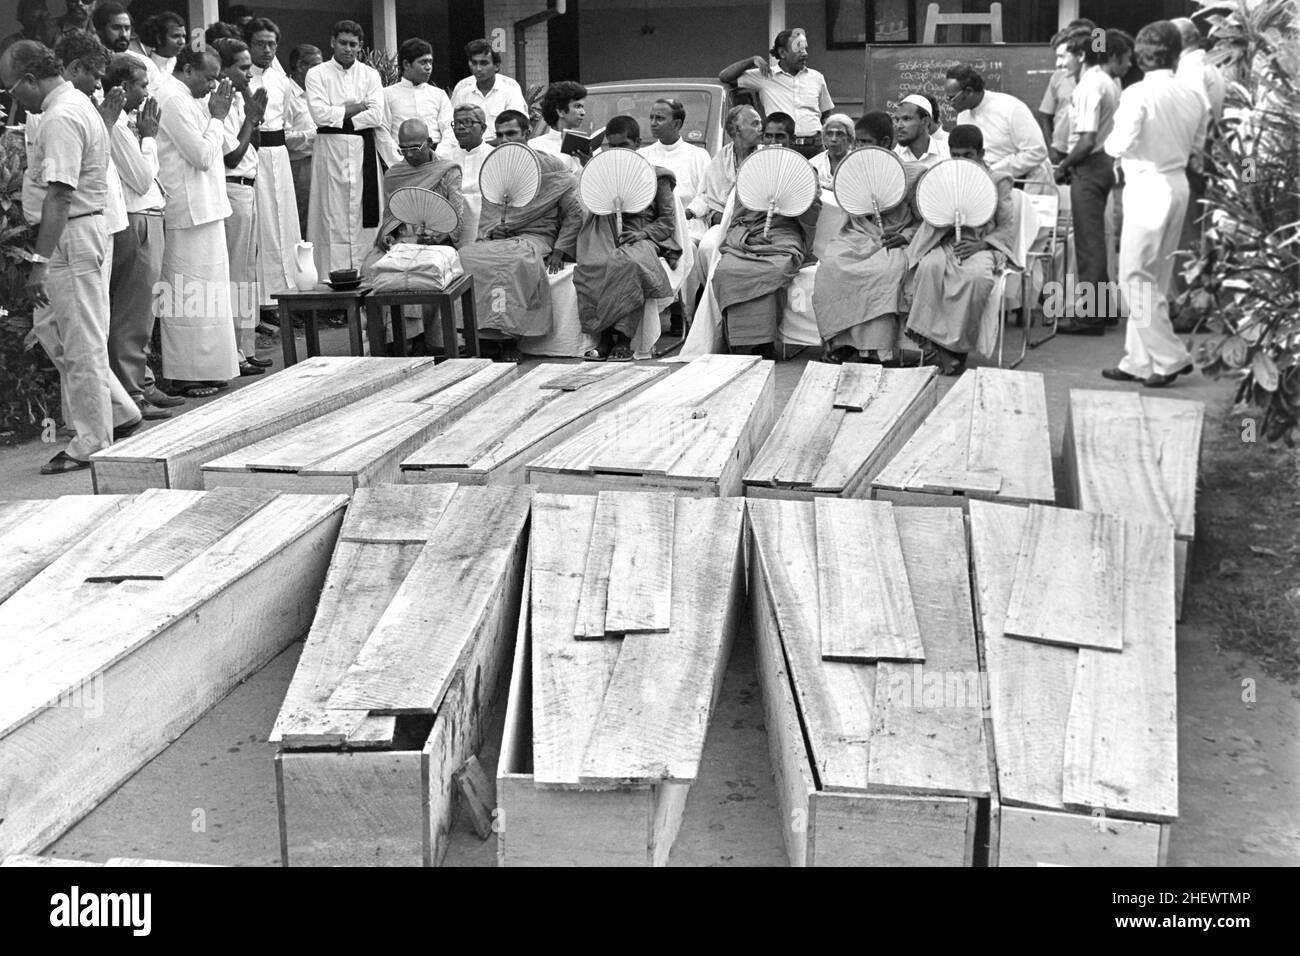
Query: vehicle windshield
[604, 105]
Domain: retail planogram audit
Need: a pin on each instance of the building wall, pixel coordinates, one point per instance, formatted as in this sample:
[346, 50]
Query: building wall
[501, 15]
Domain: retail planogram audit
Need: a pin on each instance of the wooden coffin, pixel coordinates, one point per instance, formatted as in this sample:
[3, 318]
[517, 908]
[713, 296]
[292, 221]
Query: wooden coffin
[1130, 455]
[361, 444]
[170, 455]
[605, 732]
[398, 673]
[878, 762]
[1085, 739]
[987, 438]
[491, 444]
[124, 639]
[840, 427]
[694, 432]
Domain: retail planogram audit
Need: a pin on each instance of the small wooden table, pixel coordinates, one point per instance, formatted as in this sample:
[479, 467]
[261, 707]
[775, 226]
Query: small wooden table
[307, 304]
[443, 301]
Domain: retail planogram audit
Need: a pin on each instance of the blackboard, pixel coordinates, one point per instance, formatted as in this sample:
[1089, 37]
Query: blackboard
[894, 71]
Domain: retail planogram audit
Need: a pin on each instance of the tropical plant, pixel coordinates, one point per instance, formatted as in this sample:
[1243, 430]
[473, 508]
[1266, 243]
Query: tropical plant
[1245, 285]
[29, 384]
[385, 64]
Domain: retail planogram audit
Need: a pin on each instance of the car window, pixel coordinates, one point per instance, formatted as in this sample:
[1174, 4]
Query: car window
[604, 105]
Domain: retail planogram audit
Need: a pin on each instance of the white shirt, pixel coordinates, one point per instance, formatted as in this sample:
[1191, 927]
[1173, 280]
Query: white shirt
[549, 142]
[136, 160]
[802, 95]
[470, 162]
[687, 162]
[299, 130]
[1204, 77]
[190, 167]
[115, 207]
[1013, 140]
[329, 87]
[403, 101]
[247, 165]
[719, 179]
[155, 75]
[504, 95]
[277, 89]
[1092, 107]
[935, 151]
[1159, 122]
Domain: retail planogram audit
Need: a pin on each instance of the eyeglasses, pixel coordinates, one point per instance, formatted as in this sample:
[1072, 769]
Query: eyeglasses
[411, 149]
[465, 124]
[9, 91]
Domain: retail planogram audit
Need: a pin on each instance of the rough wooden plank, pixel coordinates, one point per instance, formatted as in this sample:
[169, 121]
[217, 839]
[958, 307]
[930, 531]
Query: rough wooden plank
[414, 651]
[639, 597]
[1009, 433]
[1111, 459]
[856, 386]
[1121, 745]
[186, 536]
[835, 699]
[941, 443]
[890, 831]
[928, 736]
[362, 579]
[478, 796]
[396, 514]
[1175, 428]
[568, 677]
[655, 714]
[803, 434]
[1068, 586]
[14, 513]
[27, 547]
[739, 417]
[1030, 684]
[594, 597]
[578, 377]
[865, 604]
[1050, 838]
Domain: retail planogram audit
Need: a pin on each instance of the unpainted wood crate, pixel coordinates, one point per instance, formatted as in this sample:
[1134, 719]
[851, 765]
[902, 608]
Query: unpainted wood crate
[99, 676]
[382, 797]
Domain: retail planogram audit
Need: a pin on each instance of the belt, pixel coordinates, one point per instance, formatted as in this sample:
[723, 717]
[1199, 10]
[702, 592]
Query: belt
[83, 215]
[241, 180]
[369, 170]
[145, 212]
[263, 138]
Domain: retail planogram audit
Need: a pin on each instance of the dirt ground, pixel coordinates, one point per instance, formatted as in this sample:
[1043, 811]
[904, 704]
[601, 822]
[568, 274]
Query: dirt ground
[210, 796]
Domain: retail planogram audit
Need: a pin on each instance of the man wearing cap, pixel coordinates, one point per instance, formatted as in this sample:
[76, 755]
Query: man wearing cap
[915, 143]
[792, 87]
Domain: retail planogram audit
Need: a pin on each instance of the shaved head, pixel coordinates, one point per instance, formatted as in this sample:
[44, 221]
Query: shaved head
[413, 129]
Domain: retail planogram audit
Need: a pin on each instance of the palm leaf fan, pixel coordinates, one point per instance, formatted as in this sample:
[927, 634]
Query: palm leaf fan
[510, 177]
[617, 181]
[870, 180]
[956, 192]
[776, 179]
[424, 209]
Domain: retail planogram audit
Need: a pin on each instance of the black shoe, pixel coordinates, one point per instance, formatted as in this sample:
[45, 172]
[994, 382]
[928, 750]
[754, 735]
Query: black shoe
[1075, 327]
[151, 412]
[127, 430]
[246, 369]
[1111, 321]
[258, 362]
[1164, 381]
[156, 396]
[1118, 375]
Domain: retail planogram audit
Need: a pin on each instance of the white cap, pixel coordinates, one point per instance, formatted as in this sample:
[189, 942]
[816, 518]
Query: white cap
[921, 103]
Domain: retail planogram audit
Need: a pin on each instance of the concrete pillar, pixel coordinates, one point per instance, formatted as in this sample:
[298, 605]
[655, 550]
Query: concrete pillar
[775, 18]
[202, 12]
[1067, 10]
[384, 17]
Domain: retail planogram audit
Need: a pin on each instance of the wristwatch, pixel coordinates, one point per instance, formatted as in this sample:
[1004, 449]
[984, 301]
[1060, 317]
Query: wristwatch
[36, 257]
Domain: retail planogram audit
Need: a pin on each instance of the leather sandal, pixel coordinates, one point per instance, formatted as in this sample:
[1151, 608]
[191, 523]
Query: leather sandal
[61, 463]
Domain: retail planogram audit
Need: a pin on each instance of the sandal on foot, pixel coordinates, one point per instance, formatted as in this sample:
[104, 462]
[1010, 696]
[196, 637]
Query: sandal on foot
[195, 389]
[620, 353]
[593, 355]
[61, 463]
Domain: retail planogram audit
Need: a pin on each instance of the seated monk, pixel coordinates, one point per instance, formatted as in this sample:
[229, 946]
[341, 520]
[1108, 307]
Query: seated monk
[516, 248]
[953, 280]
[617, 273]
[754, 270]
[858, 292]
[422, 168]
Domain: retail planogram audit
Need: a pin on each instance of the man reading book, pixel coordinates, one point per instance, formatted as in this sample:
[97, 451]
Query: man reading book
[563, 108]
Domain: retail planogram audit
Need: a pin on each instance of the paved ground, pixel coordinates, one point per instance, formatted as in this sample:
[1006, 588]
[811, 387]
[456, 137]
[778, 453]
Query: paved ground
[210, 797]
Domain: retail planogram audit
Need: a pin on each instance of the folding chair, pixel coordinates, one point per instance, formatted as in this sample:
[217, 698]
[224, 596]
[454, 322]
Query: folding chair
[1028, 227]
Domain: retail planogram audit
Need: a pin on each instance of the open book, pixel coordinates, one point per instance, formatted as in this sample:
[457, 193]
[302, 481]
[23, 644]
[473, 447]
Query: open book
[576, 141]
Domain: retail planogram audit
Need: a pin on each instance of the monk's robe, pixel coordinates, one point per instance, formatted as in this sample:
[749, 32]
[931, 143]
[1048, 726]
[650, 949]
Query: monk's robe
[858, 292]
[511, 291]
[616, 275]
[754, 271]
[948, 295]
[438, 175]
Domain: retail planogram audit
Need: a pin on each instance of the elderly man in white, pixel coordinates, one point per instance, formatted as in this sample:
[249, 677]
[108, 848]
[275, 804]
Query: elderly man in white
[346, 101]
[467, 149]
[1013, 140]
[1157, 125]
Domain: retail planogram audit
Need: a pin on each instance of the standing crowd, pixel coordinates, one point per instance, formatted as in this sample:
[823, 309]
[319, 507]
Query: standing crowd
[170, 181]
